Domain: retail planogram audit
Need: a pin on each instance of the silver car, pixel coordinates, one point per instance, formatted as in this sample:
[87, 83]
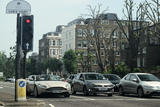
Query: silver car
[91, 83]
[142, 84]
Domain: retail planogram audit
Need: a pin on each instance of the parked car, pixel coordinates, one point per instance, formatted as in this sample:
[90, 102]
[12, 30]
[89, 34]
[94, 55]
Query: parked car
[70, 78]
[114, 79]
[91, 83]
[48, 84]
[12, 80]
[139, 83]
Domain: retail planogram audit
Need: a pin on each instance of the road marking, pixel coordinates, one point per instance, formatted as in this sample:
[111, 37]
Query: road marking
[51, 105]
[1, 87]
[83, 98]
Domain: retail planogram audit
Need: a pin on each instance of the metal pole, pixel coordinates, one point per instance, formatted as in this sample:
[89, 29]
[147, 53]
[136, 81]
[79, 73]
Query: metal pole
[18, 58]
[24, 65]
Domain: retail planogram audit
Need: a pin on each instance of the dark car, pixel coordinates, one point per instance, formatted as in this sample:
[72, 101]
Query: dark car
[70, 78]
[114, 79]
[91, 83]
[142, 84]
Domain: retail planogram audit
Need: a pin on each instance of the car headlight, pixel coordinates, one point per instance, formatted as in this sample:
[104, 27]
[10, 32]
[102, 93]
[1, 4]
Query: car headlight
[67, 86]
[42, 86]
[146, 86]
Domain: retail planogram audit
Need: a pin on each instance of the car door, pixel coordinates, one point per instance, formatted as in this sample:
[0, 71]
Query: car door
[32, 83]
[125, 83]
[75, 82]
[81, 82]
[133, 84]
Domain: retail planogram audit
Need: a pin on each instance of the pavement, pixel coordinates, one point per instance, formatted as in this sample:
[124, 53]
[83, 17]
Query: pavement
[7, 100]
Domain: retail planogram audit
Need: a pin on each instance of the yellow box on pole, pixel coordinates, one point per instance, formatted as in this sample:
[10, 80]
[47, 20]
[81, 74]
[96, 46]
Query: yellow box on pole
[21, 89]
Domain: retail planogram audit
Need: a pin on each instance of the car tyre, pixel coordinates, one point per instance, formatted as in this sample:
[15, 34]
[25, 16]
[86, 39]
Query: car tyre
[121, 91]
[140, 92]
[66, 95]
[72, 90]
[35, 92]
[110, 95]
[85, 91]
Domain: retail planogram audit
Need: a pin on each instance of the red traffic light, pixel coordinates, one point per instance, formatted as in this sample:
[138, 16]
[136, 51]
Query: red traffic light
[28, 21]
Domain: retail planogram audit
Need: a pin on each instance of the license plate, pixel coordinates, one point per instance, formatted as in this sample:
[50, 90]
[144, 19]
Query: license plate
[103, 89]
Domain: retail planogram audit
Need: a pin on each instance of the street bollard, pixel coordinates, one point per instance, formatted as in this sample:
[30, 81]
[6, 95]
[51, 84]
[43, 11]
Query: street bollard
[21, 90]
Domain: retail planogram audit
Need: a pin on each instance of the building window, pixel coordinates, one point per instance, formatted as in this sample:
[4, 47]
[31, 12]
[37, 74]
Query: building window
[144, 50]
[79, 32]
[69, 46]
[115, 22]
[138, 62]
[84, 43]
[53, 42]
[114, 44]
[60, 42]
[143, 62]
[117, 53]
[92, 32]
[107, 22]
[54, 52]
[79, 43]
[42, 44]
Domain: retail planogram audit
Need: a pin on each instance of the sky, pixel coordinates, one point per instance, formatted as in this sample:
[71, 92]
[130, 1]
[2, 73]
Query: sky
[47, 15]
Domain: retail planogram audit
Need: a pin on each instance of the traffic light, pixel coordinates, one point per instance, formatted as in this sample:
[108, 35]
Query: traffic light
[27, 33]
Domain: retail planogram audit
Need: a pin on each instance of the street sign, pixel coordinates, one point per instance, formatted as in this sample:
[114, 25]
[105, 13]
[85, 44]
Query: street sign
[18, 6]
[21, 89]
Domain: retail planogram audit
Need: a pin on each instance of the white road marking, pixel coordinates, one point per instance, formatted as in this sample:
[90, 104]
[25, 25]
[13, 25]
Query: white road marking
[1, 87]
[51, 105]
[86, 98]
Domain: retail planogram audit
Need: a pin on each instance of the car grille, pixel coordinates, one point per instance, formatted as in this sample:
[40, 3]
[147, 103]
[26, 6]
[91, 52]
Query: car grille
[56, 88]
[98, 85]
[103, 85]
[108, 85]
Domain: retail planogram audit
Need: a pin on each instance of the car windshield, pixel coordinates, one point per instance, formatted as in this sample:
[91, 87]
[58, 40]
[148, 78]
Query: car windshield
[50, 78]
[147, 77]
[94, 77]
[112, 77]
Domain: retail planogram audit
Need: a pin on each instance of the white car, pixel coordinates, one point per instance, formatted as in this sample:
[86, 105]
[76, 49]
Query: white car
[48, 84]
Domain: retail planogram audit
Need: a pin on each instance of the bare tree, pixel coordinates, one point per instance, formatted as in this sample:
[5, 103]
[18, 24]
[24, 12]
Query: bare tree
[152, 12]
[98, 40]
[132, 31]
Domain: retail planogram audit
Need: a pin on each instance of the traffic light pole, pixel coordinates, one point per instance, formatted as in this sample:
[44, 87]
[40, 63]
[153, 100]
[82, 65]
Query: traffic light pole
[18, 54]
[24, 65]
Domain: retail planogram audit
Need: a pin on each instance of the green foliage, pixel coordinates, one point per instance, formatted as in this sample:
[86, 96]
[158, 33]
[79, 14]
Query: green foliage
[121, 70]
[70, 61]
[54, 64]
[7, 65]
[109, 70]
[137, 70]
[1, 79]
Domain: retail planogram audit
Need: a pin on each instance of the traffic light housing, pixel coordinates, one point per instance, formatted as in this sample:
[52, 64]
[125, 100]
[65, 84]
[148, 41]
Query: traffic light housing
[27, 33]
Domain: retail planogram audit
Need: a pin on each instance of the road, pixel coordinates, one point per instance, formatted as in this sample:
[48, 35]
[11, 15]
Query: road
[79, 100]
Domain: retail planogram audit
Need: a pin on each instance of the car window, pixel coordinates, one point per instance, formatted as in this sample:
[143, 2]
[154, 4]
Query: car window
[52, 78]
[81, 76]
[112, 77]
[127, 77]
[77, 76]
[94, 77]
[148, 77]
[133, 77]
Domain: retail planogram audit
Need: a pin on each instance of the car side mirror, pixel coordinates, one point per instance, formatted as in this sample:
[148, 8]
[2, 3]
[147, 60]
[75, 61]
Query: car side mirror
[30, 79]
[33, 79]
[134, 80]
[82, 79]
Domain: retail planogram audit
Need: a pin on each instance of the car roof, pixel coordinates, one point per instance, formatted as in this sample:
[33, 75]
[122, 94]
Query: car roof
[140, 73]
[110, 74]
[89, 73]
